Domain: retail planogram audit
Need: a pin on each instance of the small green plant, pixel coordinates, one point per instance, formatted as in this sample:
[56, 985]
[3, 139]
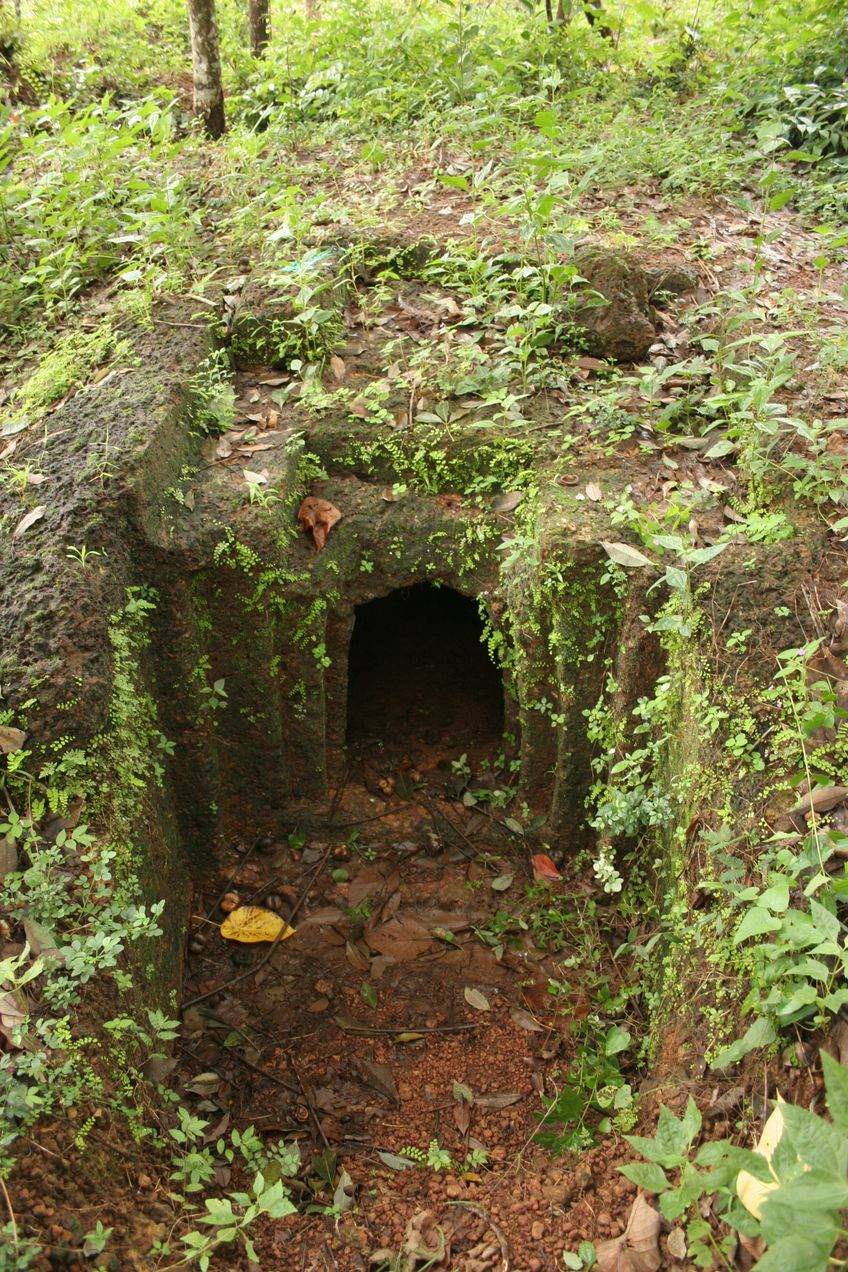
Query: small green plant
[212, 394]
[214, 697]
[594, 1085]
[800, 1214]
[83, 555]
[229, 1218]
[436, 1158]
[68, 366]
[584, 1257]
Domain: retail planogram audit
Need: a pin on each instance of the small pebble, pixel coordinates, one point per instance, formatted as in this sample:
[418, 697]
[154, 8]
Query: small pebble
[230, 901]
[196, 944]
[265, 844]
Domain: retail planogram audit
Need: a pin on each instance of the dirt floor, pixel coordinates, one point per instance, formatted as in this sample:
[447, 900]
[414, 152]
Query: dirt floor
[389, 1021]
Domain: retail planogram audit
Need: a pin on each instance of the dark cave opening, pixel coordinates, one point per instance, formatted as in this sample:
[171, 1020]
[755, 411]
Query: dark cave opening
[421, 684]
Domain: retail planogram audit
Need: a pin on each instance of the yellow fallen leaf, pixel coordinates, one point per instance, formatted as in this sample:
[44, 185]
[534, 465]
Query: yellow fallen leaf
[753, 1192]
[251, 923]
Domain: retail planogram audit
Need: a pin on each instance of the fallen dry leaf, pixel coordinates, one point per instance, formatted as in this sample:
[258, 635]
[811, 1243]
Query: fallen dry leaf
[250, 923]
[13, 1012]
[319, 516]
[623, 554]
[424, 1241]
[502, 1101]
[29, 520]
[594, 492]
[677, 1243]
[324, 917]
[524, 1020]
[507, 502]
[637, 1249]
[821, 800]
[402, 937]
[378, 1077]
[11, 739]
[338, 368]
[462, 1117]
[544, 869]
[476, 999]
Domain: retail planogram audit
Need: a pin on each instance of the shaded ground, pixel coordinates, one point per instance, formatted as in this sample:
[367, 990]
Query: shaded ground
[404, 979]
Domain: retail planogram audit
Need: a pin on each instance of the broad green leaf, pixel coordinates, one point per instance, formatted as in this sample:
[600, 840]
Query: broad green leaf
[618, 1040]
[826, 923]
[700, 556]
[677, 580]
[673, 1138]
[835, 1001]
[814, 968]
[756, 922]
[814, 1141]
[812, 1190]
[799, 1002]
[779, 1221]
[836, 1085]
[760, 1034]
[776, 897]
[691, 1123]
[793, 1253]
[673, 1203]
[780, 200]
[646, 1175]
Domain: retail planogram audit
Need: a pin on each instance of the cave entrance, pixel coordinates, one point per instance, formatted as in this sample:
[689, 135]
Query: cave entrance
[421, 685]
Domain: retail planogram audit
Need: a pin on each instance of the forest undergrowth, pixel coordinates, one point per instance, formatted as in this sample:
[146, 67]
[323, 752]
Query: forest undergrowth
[710, 139]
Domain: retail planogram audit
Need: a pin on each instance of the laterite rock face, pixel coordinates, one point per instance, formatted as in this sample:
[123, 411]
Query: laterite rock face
[185, 475]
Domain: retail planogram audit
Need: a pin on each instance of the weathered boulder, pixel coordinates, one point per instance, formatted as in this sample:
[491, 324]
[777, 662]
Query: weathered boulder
[618, 321]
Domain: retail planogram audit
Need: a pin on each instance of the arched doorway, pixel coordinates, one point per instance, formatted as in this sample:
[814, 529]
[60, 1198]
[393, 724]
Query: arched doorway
[421, 684]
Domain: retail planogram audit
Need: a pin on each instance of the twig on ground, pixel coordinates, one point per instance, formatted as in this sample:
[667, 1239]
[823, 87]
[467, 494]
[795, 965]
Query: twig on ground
[310, 1106]
[12, 1220]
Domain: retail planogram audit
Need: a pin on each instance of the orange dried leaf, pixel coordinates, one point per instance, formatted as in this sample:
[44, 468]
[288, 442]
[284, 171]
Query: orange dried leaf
[319, 516]
[543, 867]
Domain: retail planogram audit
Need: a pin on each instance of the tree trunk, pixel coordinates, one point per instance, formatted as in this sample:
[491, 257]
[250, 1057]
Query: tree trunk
[594, 11]
[206, 66]
[260, 26]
